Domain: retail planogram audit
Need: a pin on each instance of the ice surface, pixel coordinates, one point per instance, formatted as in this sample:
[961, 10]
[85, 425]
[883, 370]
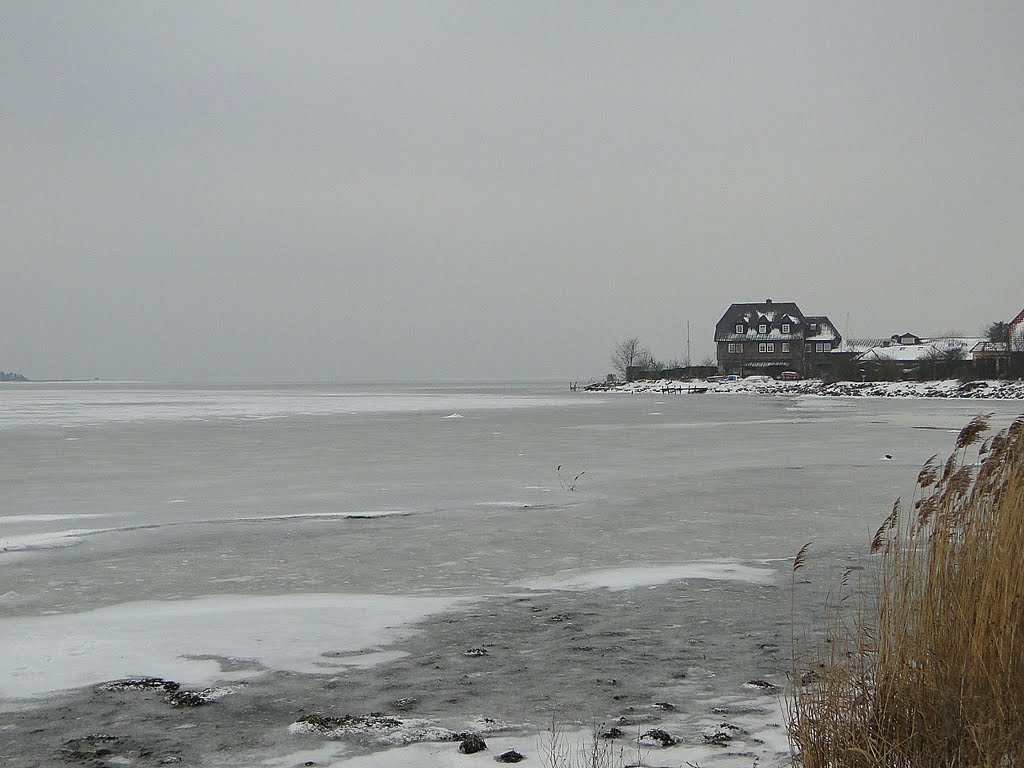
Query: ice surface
[69, 407]
[43, 654]
[707, 490]
[645, 576]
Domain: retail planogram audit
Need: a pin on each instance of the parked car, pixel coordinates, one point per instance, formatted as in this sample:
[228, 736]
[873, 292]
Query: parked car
[789, 375]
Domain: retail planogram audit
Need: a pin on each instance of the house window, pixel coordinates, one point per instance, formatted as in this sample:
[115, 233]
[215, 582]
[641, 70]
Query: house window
[771, 347]
[732, 347]
[814, 327]
[822, 347]
[762, 347]
[785, 327]
[739, 327]
[762, 328]
[739, 347]
[785, 346]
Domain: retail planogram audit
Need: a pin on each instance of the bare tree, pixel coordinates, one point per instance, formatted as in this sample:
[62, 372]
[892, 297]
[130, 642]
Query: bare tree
[629, 353]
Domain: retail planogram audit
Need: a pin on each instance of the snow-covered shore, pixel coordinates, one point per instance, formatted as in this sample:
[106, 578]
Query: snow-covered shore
[763, 385]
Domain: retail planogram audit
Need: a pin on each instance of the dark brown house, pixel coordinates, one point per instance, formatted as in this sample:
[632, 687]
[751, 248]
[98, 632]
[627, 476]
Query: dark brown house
[772, 337]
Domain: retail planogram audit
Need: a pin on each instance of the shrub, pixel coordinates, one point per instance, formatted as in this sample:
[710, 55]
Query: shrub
[929, 671]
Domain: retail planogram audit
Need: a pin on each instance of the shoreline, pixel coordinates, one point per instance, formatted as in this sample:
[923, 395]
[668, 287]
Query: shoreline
[983, 389]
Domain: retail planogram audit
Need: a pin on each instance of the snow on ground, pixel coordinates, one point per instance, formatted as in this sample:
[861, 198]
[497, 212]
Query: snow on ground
[179, 639]
[365, 515]
[617, 579]
[739, 742]
[51, 540]
[764, 385]
[11, 519]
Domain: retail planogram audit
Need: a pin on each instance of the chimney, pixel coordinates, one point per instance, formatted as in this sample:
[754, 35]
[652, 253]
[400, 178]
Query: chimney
[767, 301]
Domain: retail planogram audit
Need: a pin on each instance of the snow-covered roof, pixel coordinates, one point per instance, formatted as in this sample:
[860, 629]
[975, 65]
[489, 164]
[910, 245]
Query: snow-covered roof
[826, 330]
[863, 345]
[989, 347]
[927, 348]
[774, 315]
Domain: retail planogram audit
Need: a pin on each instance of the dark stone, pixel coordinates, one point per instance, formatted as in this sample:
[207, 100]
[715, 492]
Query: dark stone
[764, 685]
[510, 757]
[664, 738]
[405, 703]
[612, 733]
[471, 744]
[187, 699]
[475, 652]
[370, 721]
[664, 705]
[721, 734]
[141, 684]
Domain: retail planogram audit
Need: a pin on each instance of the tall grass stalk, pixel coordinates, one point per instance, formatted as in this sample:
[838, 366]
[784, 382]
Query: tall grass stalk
[929, 671]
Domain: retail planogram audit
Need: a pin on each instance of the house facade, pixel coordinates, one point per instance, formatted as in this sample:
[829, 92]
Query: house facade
[772, 337]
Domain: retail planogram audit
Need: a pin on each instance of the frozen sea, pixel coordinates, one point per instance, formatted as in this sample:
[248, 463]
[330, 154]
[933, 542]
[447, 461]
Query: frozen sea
[439, 553]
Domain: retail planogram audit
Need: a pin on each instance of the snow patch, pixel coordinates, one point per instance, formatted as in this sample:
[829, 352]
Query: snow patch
[179, 639]
[618, 579]
[363, 515]
[51, 540]
[4, 519]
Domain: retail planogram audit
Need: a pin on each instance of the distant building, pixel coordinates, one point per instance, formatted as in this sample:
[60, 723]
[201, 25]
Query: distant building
[772, 337]
[906, 339]
[1017, 333]
[918, 348]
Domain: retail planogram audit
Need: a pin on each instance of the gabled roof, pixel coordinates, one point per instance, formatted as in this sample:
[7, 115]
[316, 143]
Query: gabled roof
[751, 314]
[1017, 331]
[827, 330]
[863, 345]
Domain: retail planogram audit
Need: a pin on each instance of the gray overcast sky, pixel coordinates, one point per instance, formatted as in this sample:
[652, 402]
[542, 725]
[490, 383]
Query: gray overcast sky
[353, 191]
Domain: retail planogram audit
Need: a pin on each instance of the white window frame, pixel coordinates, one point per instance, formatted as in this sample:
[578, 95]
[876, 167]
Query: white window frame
[739, 327]
[762, 347]
[771, 346]
[739, 348]
[762, 328]
[785, 346]
[819, 347]
[732, 347]
[785, 327]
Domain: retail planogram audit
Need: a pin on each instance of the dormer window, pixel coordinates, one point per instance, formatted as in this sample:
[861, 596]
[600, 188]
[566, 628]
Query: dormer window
[814, 327]
[739, 327]
[785, 327]
[762, 328]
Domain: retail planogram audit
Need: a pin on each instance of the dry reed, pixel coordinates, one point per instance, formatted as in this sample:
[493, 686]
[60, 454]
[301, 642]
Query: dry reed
[929, 669]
